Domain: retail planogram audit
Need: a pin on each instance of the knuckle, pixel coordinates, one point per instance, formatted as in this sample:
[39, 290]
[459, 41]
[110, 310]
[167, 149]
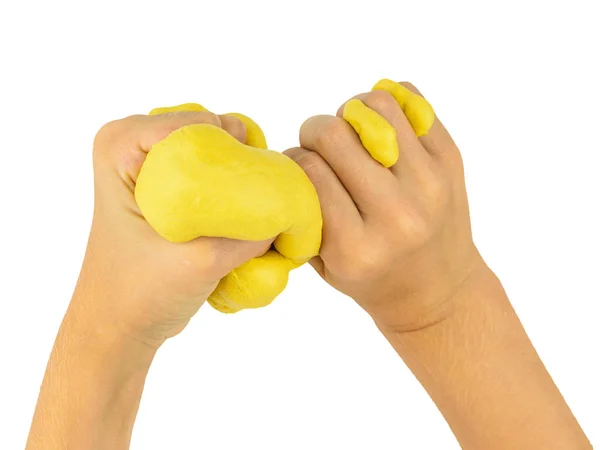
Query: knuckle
[310, 158]
[455, 162]
[202, 259]
[381, 101]
[313, 165]
[194, 117]
[434, 189]
[362, 262]
[110, 134]
[408, 225]
[331, 133]
[114, 129]
[106, 134]
[212, 264]
[414, 228]
[410, 87]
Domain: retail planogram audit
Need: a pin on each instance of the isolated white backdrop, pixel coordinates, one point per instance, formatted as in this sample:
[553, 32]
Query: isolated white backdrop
[515, 82]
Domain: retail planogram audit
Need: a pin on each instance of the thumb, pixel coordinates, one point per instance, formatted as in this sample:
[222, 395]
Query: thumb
[232, 253]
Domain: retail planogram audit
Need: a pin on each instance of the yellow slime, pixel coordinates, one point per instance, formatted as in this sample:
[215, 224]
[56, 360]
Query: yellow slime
[200, 181]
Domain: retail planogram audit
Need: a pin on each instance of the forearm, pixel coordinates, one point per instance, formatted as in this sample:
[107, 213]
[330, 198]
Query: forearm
[91, 390]
[483, 373]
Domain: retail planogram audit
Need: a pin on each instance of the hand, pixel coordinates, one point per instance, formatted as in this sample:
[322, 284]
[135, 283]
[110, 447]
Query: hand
[149, 288]
[396, 240]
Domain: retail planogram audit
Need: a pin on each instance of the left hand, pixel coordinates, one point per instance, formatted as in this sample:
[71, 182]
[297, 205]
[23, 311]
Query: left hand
[133, 281]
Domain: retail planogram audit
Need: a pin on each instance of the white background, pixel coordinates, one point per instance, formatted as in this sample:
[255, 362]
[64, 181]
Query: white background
[515, 83]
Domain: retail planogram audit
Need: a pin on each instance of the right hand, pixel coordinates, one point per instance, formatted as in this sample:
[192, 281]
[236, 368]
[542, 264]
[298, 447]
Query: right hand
[396, 240]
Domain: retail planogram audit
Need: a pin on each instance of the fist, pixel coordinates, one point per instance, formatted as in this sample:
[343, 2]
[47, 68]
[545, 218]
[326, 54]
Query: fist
[134, 281]
[396, 239]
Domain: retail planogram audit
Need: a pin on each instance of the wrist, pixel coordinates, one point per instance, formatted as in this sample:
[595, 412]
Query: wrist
[438, 302]
[98, 339]
[92, 328]
[107, 308]
[479, 367]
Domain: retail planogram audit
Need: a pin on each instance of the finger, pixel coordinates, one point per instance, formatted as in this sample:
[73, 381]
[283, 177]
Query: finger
[123, 143]
[412, 155]
[148, 130]
[437, 141]
[377, 136]
[217, 256]
[417, 110]
[229, 122]
[234, 127]
[366, 180]
[254, 134]
[341, 218]
[231, 253]
[319, 266]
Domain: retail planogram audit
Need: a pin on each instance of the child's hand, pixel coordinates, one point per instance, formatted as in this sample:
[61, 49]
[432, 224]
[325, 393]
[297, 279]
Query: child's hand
[132, 279]
[396, 240]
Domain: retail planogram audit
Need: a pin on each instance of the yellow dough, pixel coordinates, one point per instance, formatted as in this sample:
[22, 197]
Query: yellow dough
[375, 133]
[254, 135]
[186, 107]
[417, 110]
[200, 181]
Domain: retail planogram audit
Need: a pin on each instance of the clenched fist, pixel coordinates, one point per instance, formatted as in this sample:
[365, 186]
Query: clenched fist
[397, 240]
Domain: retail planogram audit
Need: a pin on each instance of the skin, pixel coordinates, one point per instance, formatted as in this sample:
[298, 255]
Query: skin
[398, 241]
[135, 291]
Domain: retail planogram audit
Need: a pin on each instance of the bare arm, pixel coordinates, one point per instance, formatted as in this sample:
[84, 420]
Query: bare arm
[397, 239]
[481, 370]
[135, 291]
[92, 387]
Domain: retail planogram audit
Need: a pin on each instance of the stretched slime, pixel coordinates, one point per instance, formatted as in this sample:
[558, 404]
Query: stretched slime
[201, 181]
